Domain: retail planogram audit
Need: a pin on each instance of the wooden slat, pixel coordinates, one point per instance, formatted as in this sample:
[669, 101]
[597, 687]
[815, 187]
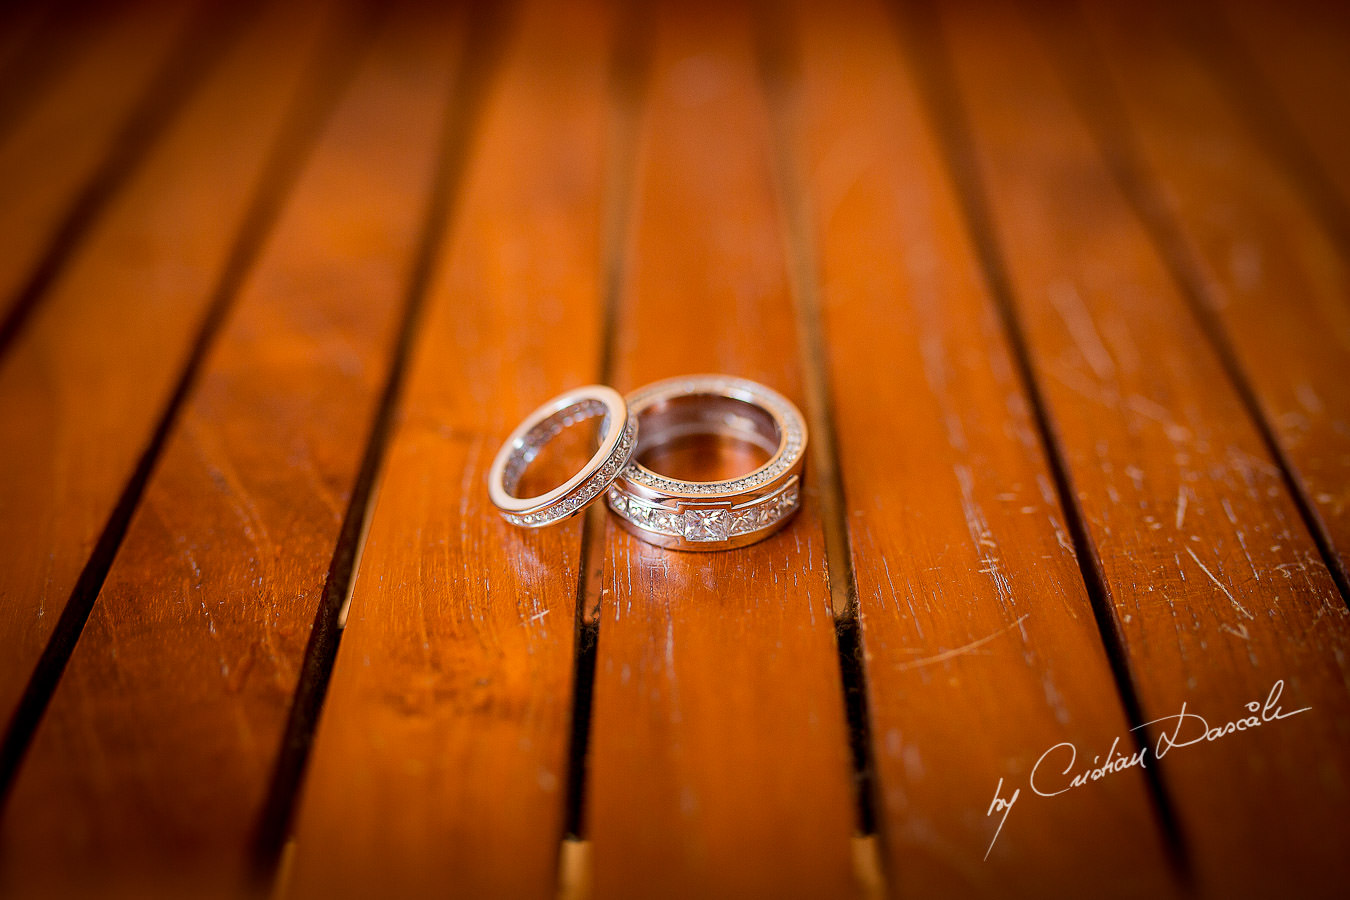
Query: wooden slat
[59, 145]
[981, 647]
[1215, 584]
[1256, 252]
[719, 761]
[82, 390]
[440, 765]
[155, 757]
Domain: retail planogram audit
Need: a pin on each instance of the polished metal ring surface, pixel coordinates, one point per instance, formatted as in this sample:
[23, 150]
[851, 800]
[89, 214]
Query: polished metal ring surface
[618, 441]
[711, 515]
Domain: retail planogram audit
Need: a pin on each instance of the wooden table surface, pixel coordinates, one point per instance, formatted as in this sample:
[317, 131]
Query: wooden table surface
[1063, 290]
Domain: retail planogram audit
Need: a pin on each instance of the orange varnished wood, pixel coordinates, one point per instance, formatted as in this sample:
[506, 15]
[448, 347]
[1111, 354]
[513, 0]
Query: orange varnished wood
[82, 390]
[719, 758]
[1155, 217]
[440, 765]
[1214, 582]
[980, 644]
[1265, 264]
[60, 142]
[154, 758]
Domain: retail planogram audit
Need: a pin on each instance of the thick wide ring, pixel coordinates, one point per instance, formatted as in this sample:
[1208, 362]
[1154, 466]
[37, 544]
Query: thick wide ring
[712, 515]
[619, 439]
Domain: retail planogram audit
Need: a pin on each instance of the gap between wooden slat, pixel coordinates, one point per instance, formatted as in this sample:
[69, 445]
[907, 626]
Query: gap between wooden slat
[780, 72]
[469, 83]
[1103, 110]
[328, 76]
[628, 79]
[212, 30]
[928, 57]
[586, 639]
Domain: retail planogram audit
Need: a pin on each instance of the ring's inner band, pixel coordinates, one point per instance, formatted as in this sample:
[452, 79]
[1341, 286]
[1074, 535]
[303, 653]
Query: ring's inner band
[691, 432]
[534, 440]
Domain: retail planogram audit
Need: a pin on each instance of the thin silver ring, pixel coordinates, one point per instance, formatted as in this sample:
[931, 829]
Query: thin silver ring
[617, 444]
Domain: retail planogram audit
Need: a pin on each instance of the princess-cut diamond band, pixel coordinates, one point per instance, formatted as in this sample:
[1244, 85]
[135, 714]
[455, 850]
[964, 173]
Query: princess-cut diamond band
[711, 515]
[670, 512]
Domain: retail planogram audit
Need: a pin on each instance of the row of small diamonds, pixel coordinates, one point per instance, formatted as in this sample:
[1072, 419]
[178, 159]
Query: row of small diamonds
[756, 479]
[546, 431]
[792, 439]
[588, 489]
[750, 518]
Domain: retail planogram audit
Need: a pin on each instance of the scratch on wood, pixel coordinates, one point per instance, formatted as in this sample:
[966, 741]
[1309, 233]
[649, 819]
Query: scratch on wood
[980, 534]
[1182, 494]
[964, 648]
[1223, 587]
[1176, 433]
[1066, 301]
[1063, 539]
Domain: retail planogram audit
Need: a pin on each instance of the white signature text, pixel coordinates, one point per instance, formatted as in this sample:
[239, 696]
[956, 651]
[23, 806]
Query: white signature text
[1057, 771]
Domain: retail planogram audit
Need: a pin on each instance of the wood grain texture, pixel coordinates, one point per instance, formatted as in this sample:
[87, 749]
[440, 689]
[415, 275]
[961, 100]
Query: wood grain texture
[964, 568]
[1258, 255]
[719, 758]
[1215, 584]
[1061, 285]
[61, 143]
[83, 389]
[440, 766]
[151, 766]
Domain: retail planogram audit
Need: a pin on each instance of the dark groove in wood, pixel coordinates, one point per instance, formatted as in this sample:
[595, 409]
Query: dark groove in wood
[929, 59]
[324, 84]
[1104, 112]
[628, 81]
[853, 677]
[468, 86]
[627, 84]
[779, 58]
[213, 29]
[586, 639]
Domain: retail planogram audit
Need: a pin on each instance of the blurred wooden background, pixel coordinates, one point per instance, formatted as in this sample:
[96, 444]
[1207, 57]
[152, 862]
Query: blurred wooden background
[1064, 290]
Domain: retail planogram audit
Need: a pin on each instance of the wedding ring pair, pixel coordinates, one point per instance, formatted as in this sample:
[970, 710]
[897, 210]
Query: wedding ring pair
[669, 512]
